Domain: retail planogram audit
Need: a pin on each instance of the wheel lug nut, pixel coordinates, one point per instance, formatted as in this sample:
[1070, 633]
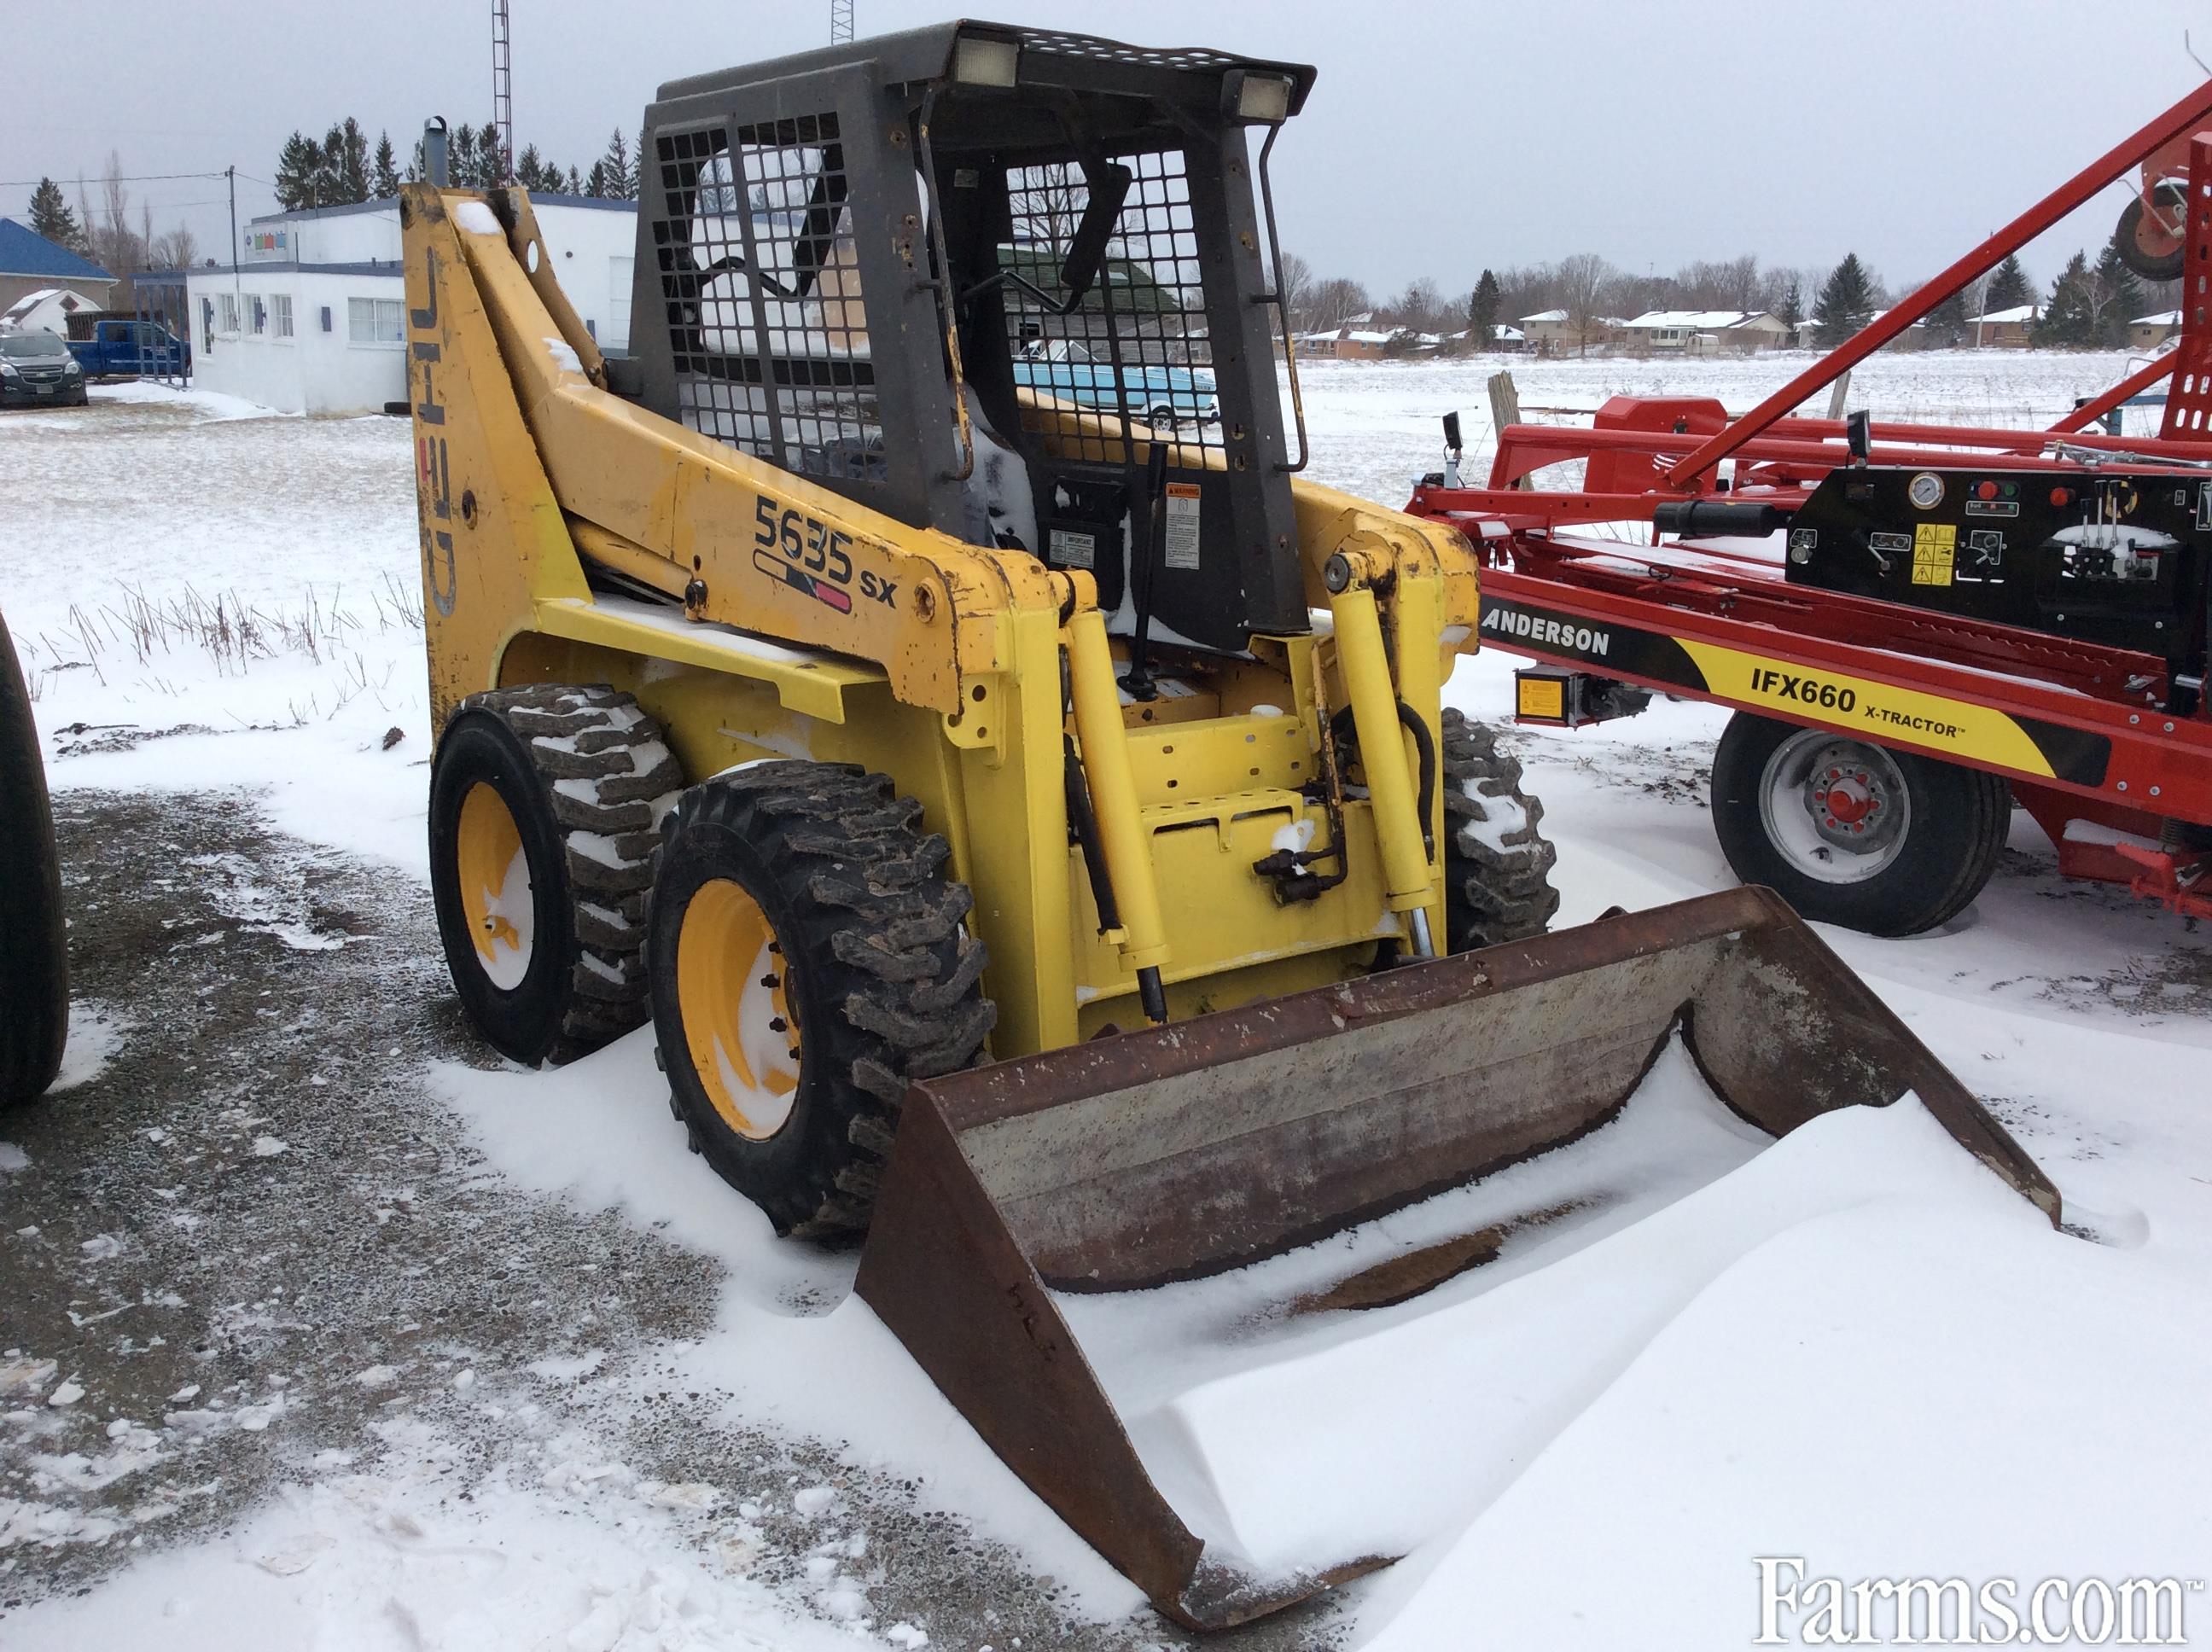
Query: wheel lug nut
[776, 1023]
[767, 981]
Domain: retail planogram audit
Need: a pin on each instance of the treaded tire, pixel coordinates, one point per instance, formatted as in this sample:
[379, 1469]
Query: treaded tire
[586, 778]
[2126, 237]
[1959, 821]
[1498, 864]
[34, 935]
[881, 976]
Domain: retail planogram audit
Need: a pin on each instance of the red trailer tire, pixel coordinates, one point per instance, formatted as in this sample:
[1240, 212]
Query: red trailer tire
[1850, 833]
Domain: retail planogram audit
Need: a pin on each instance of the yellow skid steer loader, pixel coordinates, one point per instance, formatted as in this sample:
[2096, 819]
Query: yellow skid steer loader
[911, 676]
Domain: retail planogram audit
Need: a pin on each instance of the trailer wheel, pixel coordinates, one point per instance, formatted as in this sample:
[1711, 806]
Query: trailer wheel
[545, 808]
[808, 959]
[2145, 248]
[1851, 833]
[1498, 865]
[34, 935]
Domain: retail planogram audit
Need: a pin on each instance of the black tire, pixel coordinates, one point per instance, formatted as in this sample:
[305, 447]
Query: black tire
[1498, 864]
[34, 935]
[586, 779]
[1957, 821]
[879, 976]
[2171, 197]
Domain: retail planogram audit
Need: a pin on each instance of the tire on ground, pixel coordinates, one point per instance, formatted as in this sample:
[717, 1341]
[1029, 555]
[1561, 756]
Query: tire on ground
[1957, 823]
[878, 982]
[34, 943]
[1498, 864]
[585, 779]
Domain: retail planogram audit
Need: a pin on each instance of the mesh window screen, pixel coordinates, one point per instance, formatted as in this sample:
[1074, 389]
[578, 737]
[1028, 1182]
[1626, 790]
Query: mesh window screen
[768, 333]
[1135, 349]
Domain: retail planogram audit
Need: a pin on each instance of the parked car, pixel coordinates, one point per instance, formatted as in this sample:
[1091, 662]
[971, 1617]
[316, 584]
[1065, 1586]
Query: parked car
[36, 368]
[127, 347]
[1159, 395]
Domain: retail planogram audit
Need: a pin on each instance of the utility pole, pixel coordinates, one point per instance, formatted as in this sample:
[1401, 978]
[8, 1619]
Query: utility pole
[230, 172]
[502, 88]
[840, 21]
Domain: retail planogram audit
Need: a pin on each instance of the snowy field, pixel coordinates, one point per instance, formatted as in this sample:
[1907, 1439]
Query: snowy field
[1853, 1347]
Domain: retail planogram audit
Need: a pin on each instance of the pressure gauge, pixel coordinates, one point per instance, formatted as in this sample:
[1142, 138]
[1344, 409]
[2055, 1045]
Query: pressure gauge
[1926, 491]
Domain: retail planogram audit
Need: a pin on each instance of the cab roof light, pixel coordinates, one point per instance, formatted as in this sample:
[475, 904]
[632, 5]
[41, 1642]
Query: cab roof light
[978, 60]
[1257, 99]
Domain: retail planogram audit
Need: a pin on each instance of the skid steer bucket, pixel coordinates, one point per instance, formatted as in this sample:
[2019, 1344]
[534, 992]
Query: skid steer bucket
[1194, 1152]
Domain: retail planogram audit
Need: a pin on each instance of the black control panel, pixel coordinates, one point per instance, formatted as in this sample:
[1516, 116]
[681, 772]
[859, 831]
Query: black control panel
[2110, 557]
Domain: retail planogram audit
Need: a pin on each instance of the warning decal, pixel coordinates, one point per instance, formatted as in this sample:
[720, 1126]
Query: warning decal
[1934, 549]
[1182, 550]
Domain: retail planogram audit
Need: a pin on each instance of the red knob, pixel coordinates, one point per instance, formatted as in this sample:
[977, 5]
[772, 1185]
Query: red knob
[1987, 490]
[2061, 497]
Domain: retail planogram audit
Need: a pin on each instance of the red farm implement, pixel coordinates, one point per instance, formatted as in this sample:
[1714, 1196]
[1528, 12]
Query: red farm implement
[1910, 621]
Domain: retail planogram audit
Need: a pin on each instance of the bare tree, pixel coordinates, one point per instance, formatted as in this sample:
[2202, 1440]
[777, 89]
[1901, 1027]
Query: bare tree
[1298, 288]
[1418, 306]
[1333, 302]
[1581, 279]
[177, 249]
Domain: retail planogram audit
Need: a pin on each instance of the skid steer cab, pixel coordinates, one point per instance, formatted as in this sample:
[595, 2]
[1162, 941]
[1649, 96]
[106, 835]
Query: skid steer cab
[914, 656]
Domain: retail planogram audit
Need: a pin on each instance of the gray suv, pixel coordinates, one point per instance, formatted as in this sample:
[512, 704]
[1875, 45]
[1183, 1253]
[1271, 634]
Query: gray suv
[36, 368]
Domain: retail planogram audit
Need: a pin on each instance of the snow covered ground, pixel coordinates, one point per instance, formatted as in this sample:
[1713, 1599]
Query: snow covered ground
[1853, 1347]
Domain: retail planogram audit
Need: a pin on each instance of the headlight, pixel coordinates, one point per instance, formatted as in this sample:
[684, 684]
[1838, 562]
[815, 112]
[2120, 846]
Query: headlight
[73, 365]
[7, 368]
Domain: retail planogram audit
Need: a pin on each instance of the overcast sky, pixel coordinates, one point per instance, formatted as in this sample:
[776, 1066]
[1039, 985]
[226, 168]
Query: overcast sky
[1438, 139]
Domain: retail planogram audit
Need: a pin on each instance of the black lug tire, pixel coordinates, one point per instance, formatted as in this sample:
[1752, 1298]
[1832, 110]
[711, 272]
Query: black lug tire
[883, 980]
[34, 935]
[1958, 823]
[591, 858]
[2171, 197]
[1498, 863]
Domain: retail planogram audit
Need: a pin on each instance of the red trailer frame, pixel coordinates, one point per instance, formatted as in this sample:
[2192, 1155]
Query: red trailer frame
[2075, 728]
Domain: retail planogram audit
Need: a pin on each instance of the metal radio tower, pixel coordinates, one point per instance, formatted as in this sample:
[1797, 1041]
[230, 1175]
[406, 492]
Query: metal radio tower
[502, 90]
[841, 21]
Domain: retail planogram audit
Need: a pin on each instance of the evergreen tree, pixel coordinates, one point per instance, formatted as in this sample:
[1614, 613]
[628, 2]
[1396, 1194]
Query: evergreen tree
[2009, 287]
[617, 171]
[463, 164]
[532, 173]
[384, 176]
[1482, 313]
[2070, 317]
[52, 217]
[302, 173]
[596, 185]
[1950, 324]
[2117, 297]
[1791, 308]
[345, 164]
[1845, 304]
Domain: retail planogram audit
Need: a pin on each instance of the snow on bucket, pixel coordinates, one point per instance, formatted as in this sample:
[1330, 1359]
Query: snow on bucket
[1120, 1259]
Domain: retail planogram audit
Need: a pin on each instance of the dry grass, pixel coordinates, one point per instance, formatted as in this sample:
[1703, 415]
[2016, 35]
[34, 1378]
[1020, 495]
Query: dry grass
[232, 634]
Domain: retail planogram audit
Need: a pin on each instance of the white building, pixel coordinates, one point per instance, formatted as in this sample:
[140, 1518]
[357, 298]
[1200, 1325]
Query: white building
[313, 320]
[1705, 332]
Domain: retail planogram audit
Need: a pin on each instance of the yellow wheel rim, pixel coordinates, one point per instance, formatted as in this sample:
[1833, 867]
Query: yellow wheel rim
[493, 874]
[730, 986]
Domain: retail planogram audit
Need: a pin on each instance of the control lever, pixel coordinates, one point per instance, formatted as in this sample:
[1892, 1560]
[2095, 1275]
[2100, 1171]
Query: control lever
[1138, 680]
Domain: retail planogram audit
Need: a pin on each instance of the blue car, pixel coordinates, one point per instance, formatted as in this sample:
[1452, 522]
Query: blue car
[1066, 369]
